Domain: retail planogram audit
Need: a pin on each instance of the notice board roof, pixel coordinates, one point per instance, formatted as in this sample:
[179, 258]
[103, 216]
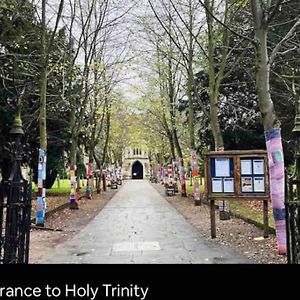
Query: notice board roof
[237, 152]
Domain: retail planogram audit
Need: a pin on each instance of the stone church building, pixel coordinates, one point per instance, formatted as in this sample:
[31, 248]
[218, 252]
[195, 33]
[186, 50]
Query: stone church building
[136, 164]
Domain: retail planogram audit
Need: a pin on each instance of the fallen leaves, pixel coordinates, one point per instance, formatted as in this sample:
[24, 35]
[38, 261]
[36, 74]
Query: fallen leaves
[70, 221]
[235, 233]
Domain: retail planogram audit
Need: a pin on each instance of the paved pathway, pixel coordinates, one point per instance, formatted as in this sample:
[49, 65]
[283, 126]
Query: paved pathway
[139, 226]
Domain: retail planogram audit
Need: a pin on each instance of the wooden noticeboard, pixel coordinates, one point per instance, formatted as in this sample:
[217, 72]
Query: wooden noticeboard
[237, 175]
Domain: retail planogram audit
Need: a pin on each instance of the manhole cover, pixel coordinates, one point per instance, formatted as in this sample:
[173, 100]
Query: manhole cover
[136, 246]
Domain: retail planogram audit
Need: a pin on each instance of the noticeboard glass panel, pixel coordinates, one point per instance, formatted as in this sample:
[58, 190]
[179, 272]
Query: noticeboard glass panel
[222, 167]
[246, 166]
[259, 184]
[258, 166]
[217, 185]
[228, 184]
[247, 184]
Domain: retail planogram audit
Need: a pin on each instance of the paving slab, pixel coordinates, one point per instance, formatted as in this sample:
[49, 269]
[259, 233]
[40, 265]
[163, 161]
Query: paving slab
[138, 226]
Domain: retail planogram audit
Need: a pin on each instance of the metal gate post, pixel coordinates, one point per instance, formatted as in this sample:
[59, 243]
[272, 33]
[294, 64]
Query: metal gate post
[293, 201]
[15, 206]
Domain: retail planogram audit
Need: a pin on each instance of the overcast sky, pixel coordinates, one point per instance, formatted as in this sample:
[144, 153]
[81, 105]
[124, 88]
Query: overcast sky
[128, 37]
[125, 32]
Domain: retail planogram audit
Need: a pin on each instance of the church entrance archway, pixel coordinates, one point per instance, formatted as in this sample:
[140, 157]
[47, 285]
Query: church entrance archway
[137, 170]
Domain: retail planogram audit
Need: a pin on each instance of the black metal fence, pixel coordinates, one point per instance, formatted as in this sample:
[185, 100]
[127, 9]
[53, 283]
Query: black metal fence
[293, 221]
[15, 216]
[15, 206]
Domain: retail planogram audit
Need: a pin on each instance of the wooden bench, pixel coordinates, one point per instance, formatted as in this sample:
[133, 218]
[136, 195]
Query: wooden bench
[170, 189]
[114, 185]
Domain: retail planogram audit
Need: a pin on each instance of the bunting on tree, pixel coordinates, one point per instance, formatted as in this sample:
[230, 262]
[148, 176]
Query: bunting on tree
[276, 171]
[175, 175]
[74, 192]
[196, 178]
[170, 171]
[89, 176]
[182, 177]
[41, 199]
[162, 174]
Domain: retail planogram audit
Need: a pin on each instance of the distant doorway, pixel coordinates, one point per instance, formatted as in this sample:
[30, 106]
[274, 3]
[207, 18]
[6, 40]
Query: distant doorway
[137, 170]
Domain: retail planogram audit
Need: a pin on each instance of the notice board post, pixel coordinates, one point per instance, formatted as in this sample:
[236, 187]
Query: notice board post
[237, 176]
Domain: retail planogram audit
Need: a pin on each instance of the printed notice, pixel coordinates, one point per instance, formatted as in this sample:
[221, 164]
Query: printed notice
[228, 185]
[217, 185]
[246, 166]
[258, 166]
[247, 186]
[222, 167]
[259, 184]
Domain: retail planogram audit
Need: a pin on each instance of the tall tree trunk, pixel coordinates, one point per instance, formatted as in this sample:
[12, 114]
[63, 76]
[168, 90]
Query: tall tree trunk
[214, 81]
[214, 122]
[262, 81]
[43, 83]
[73, 173]
[213, 90]
[190, 82]
[45, 51]
[43, 114]
[171, 142]
[191, 111]
[90, 177]
[100, 175]
[108, 115]
[176, 143]
[73, 156]
[41, 201]
[73, 198]
[271, 125]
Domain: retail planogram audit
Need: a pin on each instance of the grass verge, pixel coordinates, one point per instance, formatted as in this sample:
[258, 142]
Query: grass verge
[249, 211]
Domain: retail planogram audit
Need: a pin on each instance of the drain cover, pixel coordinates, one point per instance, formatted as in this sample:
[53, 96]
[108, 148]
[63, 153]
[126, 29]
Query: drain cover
[81, 253]
[136, 246]
[219, 260]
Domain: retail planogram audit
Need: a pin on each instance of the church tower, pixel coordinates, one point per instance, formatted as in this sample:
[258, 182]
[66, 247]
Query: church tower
[136, 164]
